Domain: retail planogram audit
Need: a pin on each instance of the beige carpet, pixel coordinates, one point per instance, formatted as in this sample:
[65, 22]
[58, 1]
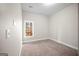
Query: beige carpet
[46, 48]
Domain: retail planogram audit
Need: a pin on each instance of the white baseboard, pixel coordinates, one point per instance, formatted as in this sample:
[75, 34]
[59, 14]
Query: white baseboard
[64, 44]
[53, 40]
[34, 40]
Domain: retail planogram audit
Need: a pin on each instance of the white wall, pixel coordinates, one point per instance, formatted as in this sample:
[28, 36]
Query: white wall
[64, 26]
[12, 44]
[40, 25]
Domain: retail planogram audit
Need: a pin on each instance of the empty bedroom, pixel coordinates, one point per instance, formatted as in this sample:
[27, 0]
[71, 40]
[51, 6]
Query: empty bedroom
[39, 29]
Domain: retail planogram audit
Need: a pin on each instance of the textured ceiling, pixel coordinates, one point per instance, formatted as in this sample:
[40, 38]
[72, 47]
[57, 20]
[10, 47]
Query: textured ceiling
[39, 8]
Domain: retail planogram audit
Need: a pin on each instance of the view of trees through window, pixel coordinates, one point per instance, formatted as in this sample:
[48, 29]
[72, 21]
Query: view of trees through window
[28, 30]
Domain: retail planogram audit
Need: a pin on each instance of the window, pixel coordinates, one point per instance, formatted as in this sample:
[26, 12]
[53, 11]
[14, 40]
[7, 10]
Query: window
[28, 29]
